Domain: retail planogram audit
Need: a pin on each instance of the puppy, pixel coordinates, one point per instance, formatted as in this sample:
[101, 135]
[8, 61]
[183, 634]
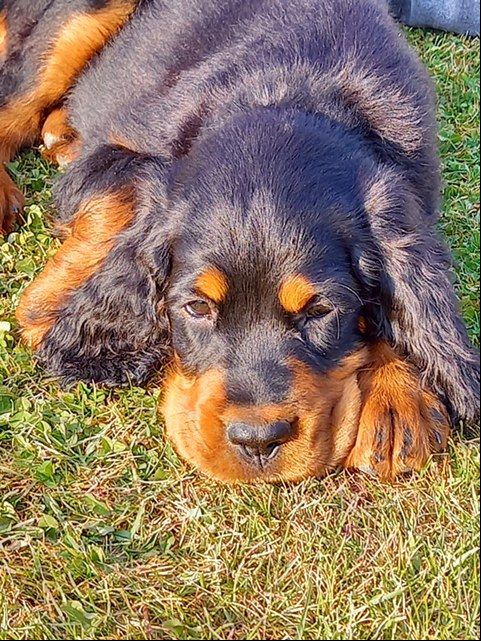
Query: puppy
[250, 207]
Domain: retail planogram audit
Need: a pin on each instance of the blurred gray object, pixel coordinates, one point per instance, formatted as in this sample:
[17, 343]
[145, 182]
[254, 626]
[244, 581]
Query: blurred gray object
[460, 16]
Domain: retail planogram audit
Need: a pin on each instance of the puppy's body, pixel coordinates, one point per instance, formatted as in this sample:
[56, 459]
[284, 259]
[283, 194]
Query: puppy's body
[190, 67]
[180, 56]
[256, 193]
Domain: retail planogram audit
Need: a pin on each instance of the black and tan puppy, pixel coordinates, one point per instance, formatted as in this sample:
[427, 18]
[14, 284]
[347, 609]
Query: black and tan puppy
[252, 207]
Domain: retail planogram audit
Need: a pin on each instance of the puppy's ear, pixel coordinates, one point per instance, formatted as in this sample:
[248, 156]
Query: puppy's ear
[406, 271]
[113, 329]
[95, 313]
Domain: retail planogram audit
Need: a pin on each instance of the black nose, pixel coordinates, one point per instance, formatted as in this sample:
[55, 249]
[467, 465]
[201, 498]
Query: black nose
[259, 442]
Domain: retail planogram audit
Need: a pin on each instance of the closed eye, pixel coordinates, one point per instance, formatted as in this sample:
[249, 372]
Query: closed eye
[317, 309]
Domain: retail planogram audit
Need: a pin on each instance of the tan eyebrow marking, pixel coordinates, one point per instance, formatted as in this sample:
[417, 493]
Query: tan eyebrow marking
[213, 284]
[295, 292]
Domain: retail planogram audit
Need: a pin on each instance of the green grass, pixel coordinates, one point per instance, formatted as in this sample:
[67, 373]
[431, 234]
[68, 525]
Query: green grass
[105, 533]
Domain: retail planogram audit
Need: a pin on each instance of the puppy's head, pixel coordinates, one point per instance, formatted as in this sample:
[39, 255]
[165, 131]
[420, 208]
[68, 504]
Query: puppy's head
[266, 305]
[264, 311]
[242, 283]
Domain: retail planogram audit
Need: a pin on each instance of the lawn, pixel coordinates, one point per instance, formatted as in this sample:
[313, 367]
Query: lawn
[105, 533]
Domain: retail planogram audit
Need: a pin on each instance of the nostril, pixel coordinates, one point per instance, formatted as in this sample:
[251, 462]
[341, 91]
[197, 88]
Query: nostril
[249, 453]
[260, 454]
[271, 450]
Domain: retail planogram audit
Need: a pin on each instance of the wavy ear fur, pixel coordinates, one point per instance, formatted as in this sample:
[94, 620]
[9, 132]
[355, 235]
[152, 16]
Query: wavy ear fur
[415, 308]
[111, 329]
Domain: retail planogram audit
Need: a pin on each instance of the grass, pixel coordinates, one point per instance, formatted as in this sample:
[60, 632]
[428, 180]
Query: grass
[105, 533]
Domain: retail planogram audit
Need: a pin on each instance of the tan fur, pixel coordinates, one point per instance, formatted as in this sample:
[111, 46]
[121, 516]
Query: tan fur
[11, 198]
[323, 409]
[212, 284]
[355, 416]
[3, 36]
[91, 237]
[78, 40]
[401, 424]
[295, 292]
[62, 144]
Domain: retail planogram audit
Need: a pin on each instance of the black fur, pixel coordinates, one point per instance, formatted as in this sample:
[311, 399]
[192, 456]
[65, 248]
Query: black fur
[262, 130]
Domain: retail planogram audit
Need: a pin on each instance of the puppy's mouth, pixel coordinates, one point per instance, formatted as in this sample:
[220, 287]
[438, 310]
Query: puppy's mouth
[311, 435]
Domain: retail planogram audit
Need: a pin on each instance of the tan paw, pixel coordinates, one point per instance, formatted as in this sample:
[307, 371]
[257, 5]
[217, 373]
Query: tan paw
[12, 202]
[401, 424]
[61, 153]
[61, 144]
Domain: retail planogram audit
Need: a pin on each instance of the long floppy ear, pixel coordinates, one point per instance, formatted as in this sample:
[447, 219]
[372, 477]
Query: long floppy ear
[94, 314]
[408, 272]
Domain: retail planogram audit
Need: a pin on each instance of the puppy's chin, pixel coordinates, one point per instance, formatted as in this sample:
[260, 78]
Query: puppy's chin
[327, 412]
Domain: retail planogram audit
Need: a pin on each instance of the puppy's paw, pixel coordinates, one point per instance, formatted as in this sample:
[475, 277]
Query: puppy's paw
[401, 424]
[62, 152]
[12, 203]
[61, 144]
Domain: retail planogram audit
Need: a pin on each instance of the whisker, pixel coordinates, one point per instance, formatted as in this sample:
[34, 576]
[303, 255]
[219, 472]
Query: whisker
[338, 325]
[336, 283]
[349, 289]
